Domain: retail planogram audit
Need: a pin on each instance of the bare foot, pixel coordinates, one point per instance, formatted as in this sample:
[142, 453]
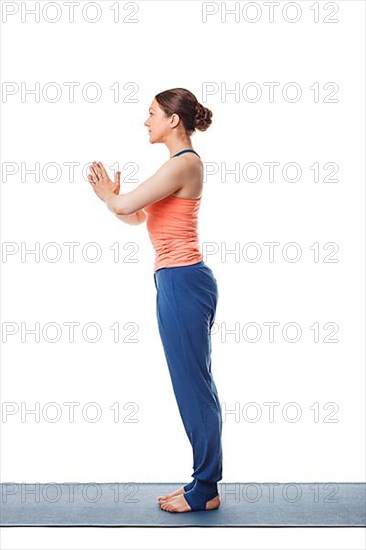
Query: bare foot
[179, 504]
[171, 495]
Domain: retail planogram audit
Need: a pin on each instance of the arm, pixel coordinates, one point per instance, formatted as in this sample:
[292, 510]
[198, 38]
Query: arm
[133, 219]
[164, 182]
[104, 188]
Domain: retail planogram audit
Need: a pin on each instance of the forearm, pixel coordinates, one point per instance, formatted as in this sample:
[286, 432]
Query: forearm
[113, 202]
[133, 219]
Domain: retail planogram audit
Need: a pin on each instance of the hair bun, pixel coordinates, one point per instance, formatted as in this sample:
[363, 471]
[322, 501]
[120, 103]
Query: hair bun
[203, 117]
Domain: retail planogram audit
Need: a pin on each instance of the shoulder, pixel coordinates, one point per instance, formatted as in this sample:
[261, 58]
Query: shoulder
[188, 162]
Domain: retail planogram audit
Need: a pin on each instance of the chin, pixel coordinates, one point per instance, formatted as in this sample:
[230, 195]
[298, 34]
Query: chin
[155, 138]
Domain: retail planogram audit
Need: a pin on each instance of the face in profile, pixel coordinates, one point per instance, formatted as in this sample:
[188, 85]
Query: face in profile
[157, 123]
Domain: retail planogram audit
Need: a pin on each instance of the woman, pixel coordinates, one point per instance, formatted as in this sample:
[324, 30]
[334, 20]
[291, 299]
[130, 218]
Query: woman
[187, 290]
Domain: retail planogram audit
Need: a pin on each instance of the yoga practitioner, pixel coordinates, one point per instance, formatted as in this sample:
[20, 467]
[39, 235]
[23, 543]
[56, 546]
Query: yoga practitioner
[186, 288]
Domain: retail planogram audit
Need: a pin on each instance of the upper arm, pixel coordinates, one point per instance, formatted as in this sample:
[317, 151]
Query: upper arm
[164, 182]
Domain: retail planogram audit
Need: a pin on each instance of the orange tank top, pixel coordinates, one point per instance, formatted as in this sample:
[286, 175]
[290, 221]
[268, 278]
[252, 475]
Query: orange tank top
[172, 224]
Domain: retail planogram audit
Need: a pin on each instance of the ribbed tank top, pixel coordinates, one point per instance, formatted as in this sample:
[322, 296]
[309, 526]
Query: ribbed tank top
[172, 224]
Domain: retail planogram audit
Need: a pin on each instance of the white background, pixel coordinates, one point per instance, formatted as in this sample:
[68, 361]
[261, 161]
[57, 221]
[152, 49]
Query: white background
[170, 46]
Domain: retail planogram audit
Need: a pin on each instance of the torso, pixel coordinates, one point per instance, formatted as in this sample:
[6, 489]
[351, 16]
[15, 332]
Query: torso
[192, 186]
[173, 224]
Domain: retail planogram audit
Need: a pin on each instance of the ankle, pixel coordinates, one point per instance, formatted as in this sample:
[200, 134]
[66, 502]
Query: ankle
[190, 485]
[207, 488]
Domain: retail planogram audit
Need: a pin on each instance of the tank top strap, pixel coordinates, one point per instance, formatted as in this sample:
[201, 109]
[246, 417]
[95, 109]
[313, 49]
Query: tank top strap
[185, 151]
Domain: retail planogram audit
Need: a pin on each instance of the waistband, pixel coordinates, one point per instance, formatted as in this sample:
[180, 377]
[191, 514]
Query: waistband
[197, 264]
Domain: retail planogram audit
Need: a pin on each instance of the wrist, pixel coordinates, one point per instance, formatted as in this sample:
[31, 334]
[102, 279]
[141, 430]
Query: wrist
[110, 200]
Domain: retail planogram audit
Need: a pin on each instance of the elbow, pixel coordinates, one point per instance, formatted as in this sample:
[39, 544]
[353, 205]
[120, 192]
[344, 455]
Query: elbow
[122, 211]
[126, 210]
[122, 208]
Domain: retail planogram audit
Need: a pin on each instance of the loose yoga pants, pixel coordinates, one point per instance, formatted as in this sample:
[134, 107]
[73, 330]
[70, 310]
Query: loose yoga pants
[186, 306]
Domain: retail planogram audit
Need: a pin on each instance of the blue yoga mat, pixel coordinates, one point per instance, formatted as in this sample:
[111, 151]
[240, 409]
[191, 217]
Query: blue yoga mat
[134, 504]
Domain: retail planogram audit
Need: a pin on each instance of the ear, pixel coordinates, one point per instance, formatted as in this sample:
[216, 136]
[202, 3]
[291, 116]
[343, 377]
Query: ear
[174, 120]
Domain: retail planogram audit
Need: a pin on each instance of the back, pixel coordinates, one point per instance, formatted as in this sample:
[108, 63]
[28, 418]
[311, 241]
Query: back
[172, 224]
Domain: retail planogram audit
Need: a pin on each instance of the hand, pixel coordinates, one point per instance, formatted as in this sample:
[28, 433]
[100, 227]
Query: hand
[103, 186]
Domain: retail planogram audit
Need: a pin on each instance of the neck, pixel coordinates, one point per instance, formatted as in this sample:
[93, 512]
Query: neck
[176, 145]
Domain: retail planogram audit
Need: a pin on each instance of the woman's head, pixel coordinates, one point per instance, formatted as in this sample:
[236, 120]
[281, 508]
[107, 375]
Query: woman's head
[176, 110]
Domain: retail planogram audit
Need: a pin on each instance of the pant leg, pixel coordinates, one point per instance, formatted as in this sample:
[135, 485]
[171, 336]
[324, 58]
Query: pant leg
[186, 306]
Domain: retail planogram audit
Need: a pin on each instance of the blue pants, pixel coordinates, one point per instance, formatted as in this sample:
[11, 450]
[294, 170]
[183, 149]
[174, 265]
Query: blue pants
[186, 306]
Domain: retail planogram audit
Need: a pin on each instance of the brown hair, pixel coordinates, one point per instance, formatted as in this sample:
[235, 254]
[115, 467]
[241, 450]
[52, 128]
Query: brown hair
[185, 104]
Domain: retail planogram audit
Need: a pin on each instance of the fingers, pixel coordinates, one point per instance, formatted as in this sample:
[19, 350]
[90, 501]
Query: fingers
[98, 172]
[94, 171]
[117, 184]
[102, 169]
[118, 176]
[91, 179]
